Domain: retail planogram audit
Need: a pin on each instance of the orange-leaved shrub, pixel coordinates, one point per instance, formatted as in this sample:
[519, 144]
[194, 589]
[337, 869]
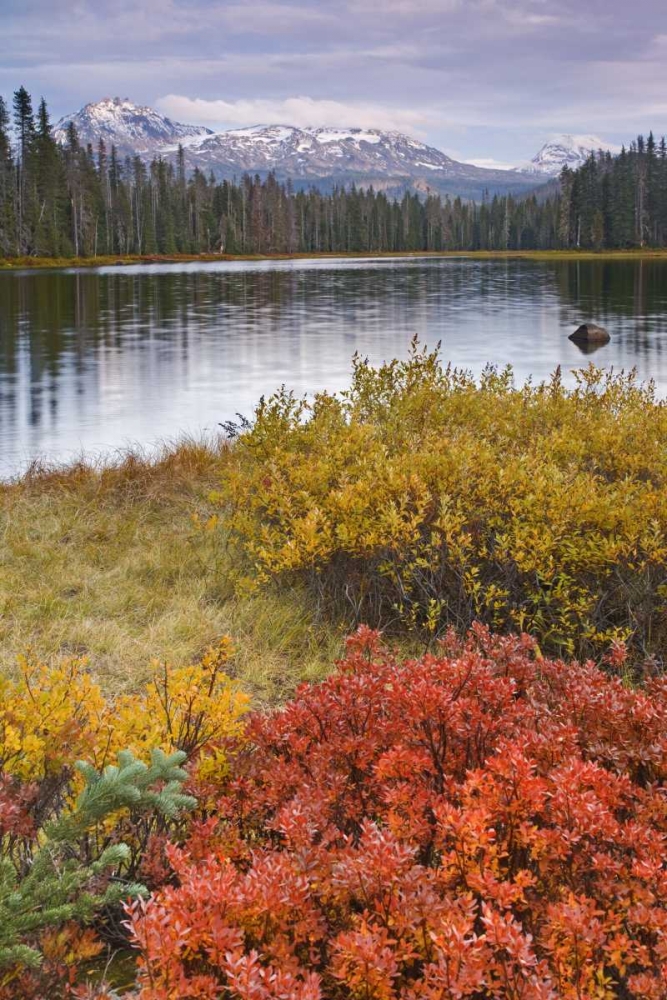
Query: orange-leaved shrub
[480, 823]
[421, 497]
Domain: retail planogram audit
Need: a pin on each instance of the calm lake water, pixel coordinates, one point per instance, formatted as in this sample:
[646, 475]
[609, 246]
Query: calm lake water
[96, 360]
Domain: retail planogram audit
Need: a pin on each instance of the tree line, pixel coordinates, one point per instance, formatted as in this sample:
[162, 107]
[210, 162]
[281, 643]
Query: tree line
[76, 200]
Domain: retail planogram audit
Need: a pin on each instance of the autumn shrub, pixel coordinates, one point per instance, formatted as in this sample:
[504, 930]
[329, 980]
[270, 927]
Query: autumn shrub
[75, 838]
[424, 498]
[480, 823]
[53, 714]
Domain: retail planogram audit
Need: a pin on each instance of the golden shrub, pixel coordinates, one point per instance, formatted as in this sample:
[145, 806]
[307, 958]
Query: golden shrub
[47, 717]
[50, 716]
[422, 496]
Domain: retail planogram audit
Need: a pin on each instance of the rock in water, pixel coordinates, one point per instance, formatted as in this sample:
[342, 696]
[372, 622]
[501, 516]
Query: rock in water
[590, 333]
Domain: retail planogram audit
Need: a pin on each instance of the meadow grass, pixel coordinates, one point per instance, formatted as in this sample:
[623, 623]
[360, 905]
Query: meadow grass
[110, 562]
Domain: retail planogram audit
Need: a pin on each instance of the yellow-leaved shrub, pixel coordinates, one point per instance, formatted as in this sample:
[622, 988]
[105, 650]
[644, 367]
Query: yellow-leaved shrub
[53, 715]
[193, 708]
[48, 717]
[425, 497]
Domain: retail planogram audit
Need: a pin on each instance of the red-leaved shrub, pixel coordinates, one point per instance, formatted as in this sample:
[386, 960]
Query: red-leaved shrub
[481, 823]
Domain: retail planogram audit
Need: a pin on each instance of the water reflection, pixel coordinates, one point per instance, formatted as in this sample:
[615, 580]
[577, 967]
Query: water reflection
[93, 360]
[590, 348]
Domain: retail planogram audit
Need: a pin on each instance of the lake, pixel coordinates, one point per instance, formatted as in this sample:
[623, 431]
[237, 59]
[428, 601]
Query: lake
[92, 361]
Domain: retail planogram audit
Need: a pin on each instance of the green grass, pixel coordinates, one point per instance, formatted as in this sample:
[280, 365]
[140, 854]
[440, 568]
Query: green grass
[109, 563]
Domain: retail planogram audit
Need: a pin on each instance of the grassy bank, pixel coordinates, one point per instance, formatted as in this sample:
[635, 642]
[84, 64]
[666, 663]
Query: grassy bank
[114, 260]
[111, 563]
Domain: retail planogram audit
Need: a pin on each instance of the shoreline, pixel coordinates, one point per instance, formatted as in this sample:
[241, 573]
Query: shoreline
[121, 260]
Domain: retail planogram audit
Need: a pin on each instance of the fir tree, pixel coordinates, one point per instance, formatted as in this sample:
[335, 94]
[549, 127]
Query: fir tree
[24, 120]
[7, 187]
[63, 878]
[50, 222]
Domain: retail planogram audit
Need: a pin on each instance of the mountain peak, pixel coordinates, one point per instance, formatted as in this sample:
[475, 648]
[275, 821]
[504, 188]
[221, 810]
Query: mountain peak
[113, 101]
[132, 128]
[566, 150]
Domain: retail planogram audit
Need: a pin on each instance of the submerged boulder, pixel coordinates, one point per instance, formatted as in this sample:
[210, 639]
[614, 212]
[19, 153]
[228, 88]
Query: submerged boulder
[590, 333]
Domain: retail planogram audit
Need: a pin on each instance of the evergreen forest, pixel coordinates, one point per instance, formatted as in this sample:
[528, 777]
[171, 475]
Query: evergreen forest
[74, 200]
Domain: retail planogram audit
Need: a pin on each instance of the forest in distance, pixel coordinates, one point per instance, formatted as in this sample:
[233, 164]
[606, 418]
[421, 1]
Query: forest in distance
[79, 201]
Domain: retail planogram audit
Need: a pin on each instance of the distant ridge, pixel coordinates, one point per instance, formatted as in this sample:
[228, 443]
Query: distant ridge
[325, 156]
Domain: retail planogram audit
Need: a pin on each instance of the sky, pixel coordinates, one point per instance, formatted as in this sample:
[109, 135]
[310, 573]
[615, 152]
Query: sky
[488, 81]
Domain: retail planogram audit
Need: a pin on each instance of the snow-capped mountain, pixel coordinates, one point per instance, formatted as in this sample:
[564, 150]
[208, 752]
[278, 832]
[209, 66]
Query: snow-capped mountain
[565, 151]
[307, 152]
[129, 127]
[324, 157]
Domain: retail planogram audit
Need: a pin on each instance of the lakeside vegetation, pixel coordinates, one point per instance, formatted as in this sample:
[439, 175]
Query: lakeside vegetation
[113, 260]
[483, 818]
[76, 202]
[111, 563]
[422, 498]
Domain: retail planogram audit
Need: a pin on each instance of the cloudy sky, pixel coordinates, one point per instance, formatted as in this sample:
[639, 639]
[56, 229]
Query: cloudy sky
[485, 80]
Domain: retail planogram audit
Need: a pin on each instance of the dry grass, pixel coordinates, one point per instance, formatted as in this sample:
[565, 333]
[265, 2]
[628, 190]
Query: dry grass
[120, 260]
[108, 562]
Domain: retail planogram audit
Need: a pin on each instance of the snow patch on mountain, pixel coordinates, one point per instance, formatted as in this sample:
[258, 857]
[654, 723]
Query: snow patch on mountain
[338, 135]
[312, 152]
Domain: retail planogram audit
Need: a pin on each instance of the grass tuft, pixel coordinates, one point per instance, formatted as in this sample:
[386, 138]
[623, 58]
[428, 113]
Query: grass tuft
[109, 561]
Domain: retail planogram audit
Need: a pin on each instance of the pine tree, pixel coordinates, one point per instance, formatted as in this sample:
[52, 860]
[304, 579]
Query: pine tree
[50, 224]
[24, 120]
[5, 148]
[641, 188]
[7, 187]
[661, 196]
[622, 199]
